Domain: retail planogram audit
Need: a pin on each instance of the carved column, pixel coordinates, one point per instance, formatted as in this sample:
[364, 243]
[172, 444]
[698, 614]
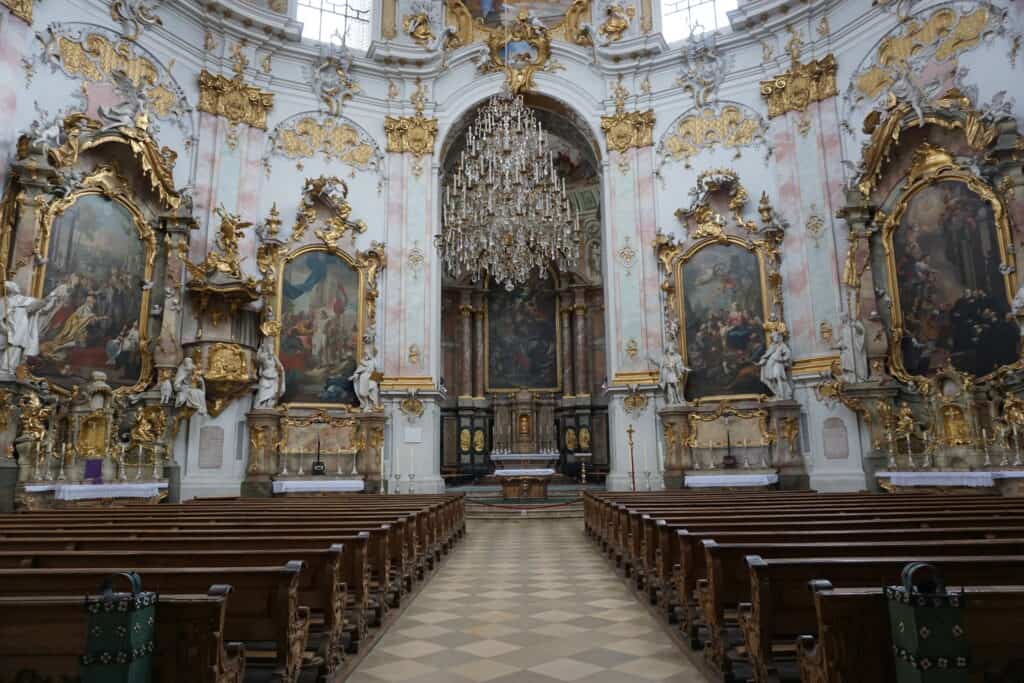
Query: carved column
[580, 335]
[478, 349]
[859, 281]
[466, 364]
[566, 322]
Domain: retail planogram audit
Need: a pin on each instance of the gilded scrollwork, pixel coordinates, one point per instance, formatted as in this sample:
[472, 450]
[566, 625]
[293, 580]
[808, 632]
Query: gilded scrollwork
[800, 86]
[527, 30]
[228, 375]
[308, 135]
[331, 77]
[234, 99]
[20, 8]
[330, 194]
[463, 29]
[726, 409]
[728, 126]
[625, 130]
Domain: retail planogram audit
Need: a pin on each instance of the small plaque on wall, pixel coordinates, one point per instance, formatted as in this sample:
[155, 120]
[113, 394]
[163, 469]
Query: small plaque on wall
[833, 434]
[211, 447]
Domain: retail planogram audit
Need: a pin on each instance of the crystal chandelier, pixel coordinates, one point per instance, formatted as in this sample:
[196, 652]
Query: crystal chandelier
[505, 209]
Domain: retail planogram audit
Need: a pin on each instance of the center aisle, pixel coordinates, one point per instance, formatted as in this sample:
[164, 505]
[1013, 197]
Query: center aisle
[526, 602]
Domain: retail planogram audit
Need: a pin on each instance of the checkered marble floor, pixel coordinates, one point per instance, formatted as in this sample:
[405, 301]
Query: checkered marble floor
[526, 602]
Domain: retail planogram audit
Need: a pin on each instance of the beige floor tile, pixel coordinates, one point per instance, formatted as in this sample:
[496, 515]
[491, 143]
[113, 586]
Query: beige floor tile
[488, 648]
[566, 669]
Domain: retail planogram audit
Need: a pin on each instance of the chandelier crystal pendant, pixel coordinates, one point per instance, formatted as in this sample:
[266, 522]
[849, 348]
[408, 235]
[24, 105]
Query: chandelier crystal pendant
[505, 210]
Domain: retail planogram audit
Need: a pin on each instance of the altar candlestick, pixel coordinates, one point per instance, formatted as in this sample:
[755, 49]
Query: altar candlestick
[138, 473]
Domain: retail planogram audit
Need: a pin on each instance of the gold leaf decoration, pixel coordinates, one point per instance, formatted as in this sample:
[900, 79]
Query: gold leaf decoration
[233, 99]
[308, 137]
[709, 128]
[626, 130]
[20, 8]
[803, 84]
[413, 134]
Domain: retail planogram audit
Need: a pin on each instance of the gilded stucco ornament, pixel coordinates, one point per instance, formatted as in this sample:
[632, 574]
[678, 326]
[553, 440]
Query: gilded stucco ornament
[234, 99]
[421, 21]
[20, 8]
[412, 134]
[625, 130]
[309, 135]
[617, 19]
[331, 77]
[228, 375]
[327, 195]
[98, 55]
[901, 57]
[525, 29]
[462, 29]
[802, 85]
[730, 126]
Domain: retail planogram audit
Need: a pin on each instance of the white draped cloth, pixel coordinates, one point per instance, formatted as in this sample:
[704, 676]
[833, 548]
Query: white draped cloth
[94, 491]
[696, 481]
[972, 479]
[523, 472]
[314, 485]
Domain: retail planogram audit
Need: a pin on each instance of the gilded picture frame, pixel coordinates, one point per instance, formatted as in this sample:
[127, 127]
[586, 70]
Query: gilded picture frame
[678, 264]
[106, 182]
[366, 270]
[931, 167]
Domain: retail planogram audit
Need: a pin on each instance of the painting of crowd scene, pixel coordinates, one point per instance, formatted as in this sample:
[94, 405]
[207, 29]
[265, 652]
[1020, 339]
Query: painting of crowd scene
[93, 287]
[725, 338]
[319, 328]
[953, 297]
[522, 341]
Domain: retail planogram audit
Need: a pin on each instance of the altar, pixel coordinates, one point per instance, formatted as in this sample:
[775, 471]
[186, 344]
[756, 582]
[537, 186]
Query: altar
[1006, 482]
[524, 475]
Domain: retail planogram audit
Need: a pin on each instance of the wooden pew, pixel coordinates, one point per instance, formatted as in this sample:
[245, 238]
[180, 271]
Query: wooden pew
[781, 608]
[728, 583]
[264, 605]
[46, 634]
[320, 586]
[855, 642]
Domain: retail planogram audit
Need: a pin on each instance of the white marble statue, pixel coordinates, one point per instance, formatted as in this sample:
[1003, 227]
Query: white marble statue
[672, 374]
[189, 387]
[166, 392]
[270, 388]
[1017, 306]
[775, 365]
[19, 327]
[365, 383]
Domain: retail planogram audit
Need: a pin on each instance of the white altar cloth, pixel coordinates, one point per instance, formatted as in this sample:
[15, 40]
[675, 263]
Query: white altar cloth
[40, 488]
[546, 457]
[119, 490]
[308, 485]
[534, 472]
[981, 479]
[696, 481]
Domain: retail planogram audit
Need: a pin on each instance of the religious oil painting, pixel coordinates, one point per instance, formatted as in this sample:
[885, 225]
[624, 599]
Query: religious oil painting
[93, 286]
[724, 321]
[522, 337]
[489, 12]
[952, 296]
[319, 328]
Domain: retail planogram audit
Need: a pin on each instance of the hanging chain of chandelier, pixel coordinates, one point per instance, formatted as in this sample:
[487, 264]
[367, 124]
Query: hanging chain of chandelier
[506, 213]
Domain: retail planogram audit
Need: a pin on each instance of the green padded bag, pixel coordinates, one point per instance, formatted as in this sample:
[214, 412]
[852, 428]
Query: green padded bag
[119, 638]
[928, 636]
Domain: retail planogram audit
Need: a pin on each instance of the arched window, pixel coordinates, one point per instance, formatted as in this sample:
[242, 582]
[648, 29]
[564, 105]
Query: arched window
[323, 19]
[680, 17]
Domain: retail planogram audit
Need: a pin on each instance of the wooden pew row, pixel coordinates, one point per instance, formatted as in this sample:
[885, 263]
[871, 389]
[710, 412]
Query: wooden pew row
[855, 641]
[320, 586]
[264, 605]
[44, 635]
[379, 585]
[782, 608]
[692, 568]
[728, 583]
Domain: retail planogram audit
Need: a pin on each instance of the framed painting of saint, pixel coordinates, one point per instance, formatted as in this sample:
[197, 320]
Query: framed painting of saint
[723, 312]
[946, 241]
[321, 326]
[100, 254]
[523, 338]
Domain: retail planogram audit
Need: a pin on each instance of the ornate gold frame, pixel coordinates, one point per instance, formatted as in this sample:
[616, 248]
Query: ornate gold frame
[558, 350]
[320, 417]
[933, 165]
[367, 265]
[679, 262]
[726, 409]
[105, 181]
[469, 30]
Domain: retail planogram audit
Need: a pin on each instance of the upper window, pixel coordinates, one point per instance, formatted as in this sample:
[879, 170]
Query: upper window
[324, 19]
[681, 18]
